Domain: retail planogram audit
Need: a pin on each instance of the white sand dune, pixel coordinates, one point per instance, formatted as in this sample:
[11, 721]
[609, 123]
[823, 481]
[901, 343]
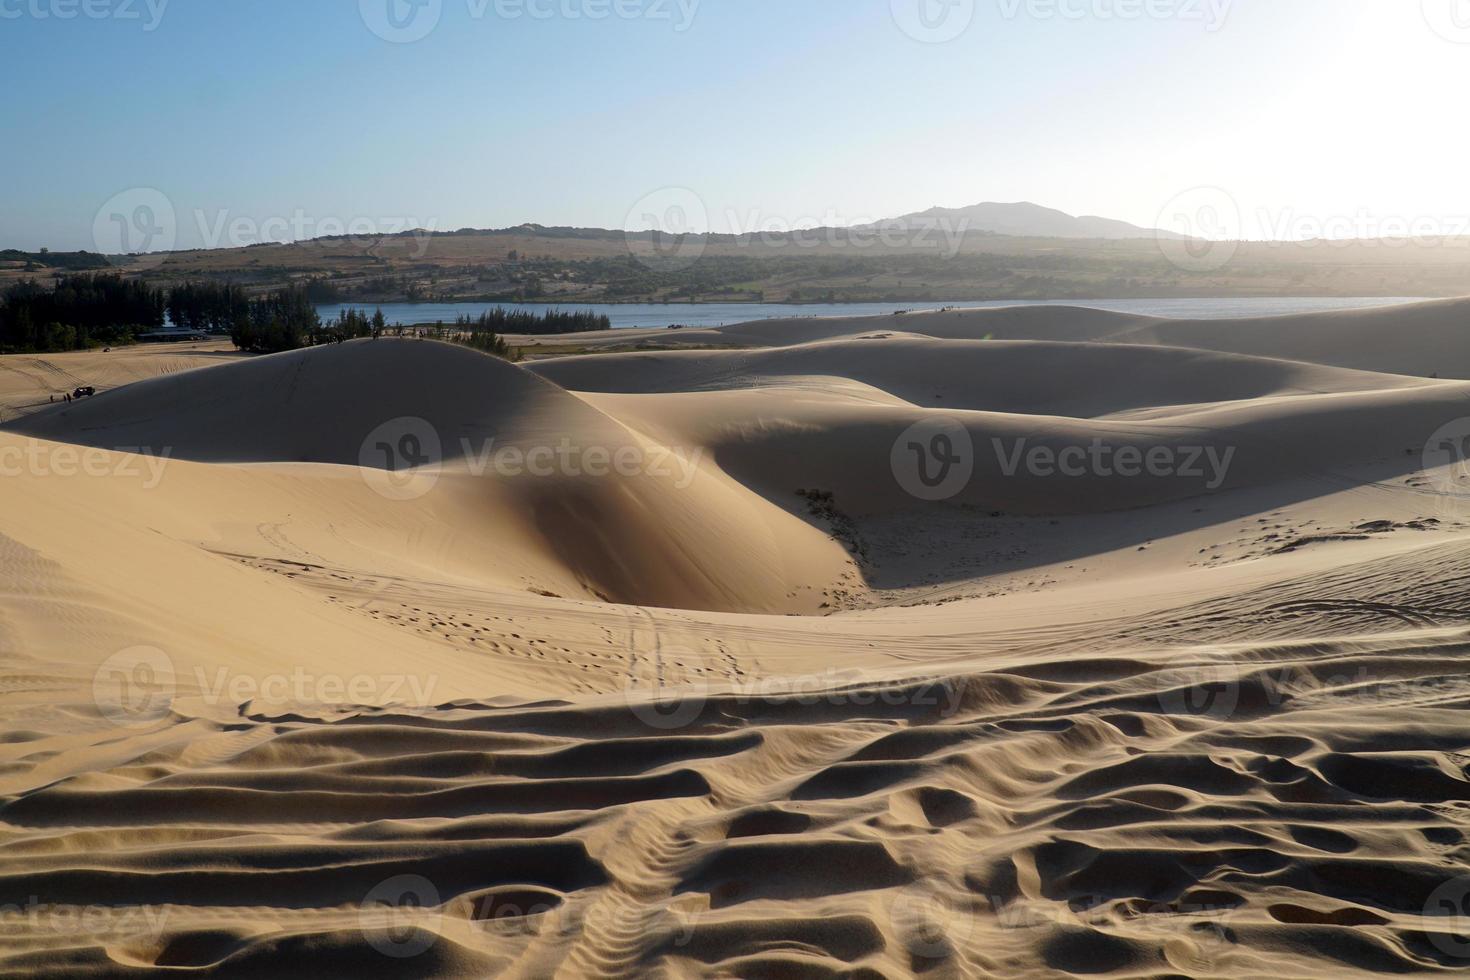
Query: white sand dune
[278, 706]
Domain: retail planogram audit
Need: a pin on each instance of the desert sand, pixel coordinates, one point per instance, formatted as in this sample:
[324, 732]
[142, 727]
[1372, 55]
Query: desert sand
[393, 659]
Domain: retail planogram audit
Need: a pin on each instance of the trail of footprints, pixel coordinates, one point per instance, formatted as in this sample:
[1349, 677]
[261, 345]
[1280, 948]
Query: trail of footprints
[467, 622]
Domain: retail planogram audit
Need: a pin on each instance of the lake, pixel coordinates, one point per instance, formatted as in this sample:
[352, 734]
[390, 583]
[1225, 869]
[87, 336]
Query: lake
[718, 314]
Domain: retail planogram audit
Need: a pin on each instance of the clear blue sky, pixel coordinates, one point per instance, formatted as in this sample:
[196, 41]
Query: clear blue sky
[772, 111]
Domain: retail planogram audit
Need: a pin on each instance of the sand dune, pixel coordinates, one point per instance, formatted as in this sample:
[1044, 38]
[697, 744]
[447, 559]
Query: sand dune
[1423, 339]
[332, 688]
[1080, 380]
[1273, 420]
[1420, 339]
[29, 382]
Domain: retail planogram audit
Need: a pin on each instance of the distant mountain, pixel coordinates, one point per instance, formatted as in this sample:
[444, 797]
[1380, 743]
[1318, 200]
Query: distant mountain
[1023, 220]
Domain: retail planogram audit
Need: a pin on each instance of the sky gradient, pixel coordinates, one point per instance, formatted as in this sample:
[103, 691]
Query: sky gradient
[271, 118]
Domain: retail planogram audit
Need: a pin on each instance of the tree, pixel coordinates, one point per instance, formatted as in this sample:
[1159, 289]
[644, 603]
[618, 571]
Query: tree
[281, 321]
[96, 308]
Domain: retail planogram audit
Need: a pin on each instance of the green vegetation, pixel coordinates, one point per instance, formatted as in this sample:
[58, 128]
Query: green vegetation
[67, 261]
[207, 307]
[487, 342]
[501, 320]
[90, 310]
[280, 321]
[83, 311]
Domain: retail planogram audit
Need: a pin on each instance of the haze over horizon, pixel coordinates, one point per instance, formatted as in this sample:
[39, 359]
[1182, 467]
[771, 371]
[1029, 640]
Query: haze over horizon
[317, 117]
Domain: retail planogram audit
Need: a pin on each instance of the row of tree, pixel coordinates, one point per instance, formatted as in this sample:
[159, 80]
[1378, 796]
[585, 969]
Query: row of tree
[501, 320]
[81, 311]
[89, 310]
[285, 320]
[288, 320]
[207, 307]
